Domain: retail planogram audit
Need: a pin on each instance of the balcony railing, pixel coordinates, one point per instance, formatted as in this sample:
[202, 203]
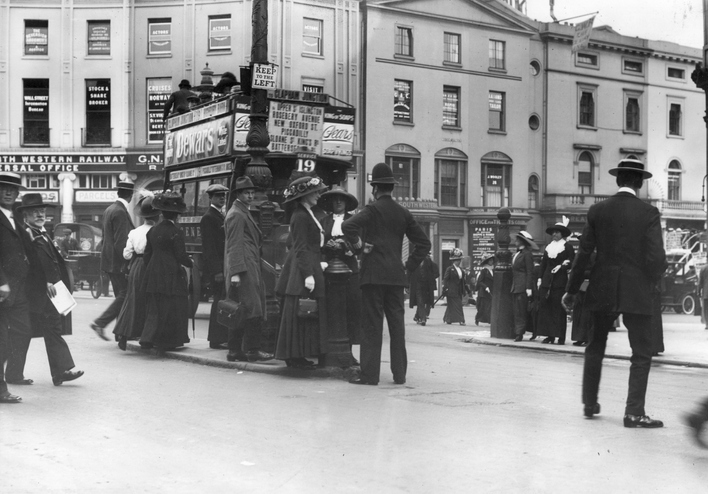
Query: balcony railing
[579, 202]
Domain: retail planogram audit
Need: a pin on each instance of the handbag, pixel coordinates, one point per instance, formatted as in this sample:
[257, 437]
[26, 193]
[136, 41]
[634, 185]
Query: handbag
[230, 313]
[307, 308]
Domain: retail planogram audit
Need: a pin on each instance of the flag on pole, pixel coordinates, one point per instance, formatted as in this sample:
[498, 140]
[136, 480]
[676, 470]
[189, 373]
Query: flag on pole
[581, 38]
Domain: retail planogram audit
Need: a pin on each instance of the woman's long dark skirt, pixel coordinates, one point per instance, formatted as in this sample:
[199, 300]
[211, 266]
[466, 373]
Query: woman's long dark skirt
[298, 337]
[166, 321]
[454, 312]
[131, 319]
[552, 320]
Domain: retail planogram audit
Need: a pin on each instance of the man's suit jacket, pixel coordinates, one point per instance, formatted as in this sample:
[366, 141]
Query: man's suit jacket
[116, 226]
[626, 232]
[14, 264]
[242, 256]
[522, 271]
[383, 223]
[213, 237]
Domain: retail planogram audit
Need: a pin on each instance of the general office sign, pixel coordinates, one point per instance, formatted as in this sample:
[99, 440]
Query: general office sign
[203, 141]
[58, 163]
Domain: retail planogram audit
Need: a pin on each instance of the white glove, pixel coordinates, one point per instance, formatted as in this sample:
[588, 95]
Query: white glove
[310, 283]
[555, 270]
[528, 292]
[324, 265]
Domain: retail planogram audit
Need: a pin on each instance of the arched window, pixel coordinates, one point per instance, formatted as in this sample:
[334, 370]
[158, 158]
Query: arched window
[451, 177]
[585, 166]
[674, 181]
[404, 160]
[496, 180]
[533, 192]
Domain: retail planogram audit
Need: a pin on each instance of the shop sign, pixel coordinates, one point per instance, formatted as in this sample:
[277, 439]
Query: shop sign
[482, 243]
[338, 132]
[96, 195]
[202, 171]
[144, 162]
[36, 104]
[36, 40]
[58, 163]
[99, 38]
[158, 92]
[50, 196]
[203, 141]
[295, 127]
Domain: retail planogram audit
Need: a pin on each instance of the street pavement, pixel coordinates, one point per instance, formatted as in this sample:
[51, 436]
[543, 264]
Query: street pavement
[477, 415]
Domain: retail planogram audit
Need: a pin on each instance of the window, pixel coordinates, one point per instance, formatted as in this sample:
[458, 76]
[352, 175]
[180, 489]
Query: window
[159, 36]
[404, 41]
[675, 119]
[496, 185]
[98, 113]
[312, 36]
[35, 104]
[496, 54]
[451, 106]
[407, 174]
[219, 33]
[631, 109]
[676, 73]
[587, 59]
[99, 38]
[451, 43]
[533, 192]
[633, 67]
[96, 181]
[36, 37]
[535, 67]
[534, 122]
[37, 181]
[402, 101]
[674, 181]
[585, 167]
[586, 105]
[451, 182]
[496, 111]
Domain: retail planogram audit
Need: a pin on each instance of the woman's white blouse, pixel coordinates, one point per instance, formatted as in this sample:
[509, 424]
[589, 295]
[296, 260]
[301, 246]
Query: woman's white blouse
[137, 240]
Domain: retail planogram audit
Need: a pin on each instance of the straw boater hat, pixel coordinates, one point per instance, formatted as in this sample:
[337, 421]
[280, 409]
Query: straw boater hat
[303, 186]
[214, 189]
[631, 166]
[527, 238]
[243, 183]
[33, 200]
[124, 184]
[325, 201]
[144, 208]
[561, 226]
[382, 174]
[9, 178]
[489, 258]
[456, 254]
[169, 201]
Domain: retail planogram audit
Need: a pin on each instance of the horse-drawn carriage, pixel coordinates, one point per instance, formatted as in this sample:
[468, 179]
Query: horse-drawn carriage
[82, 250]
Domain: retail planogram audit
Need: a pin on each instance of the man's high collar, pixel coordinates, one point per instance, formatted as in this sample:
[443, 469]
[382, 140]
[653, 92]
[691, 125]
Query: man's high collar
[125, 203]
[629, 190]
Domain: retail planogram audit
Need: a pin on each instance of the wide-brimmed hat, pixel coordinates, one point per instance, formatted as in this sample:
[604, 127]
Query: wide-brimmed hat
[630, 165]
[243, 183]
[9, 178]
[301, 187]
[145, 209]
[33, 200]
[185, 83]
[124, 184]
[382, 174]
[486, 259]
[456, 254]
[527, 238]
[325, 202]
[216, 189]
[169, 201]
[561, 226]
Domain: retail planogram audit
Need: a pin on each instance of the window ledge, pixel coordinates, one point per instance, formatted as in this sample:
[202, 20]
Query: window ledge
[586, 127]
[98, 57]
[405, 124]
[219, 52]
[452, 127]
[312, 55]
[497, 132]
[452, 64]
[498, 70]
[159, 55]
[587, 66]
[633, 132]
[35, 57]
[672, 136]
[404, 57]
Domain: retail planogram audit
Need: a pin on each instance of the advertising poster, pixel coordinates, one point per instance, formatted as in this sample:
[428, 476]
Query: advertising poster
[158, 92]
[482, 243]
[36, 104]
[205, 140]
[242, 123]
[36, 40]
[338, 132]
[99, 38]
[295, 127]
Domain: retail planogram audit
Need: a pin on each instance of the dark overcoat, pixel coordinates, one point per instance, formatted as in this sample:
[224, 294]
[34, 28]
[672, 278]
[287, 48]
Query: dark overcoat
[242, 256]
[116, 226]
[46, 266]
[14, 264]
[423, 283]
[485, 280]
[213, 238]
[560, 278]
[383, 224]
[165, 254]
[304, 257]
[453, 284]
[626, 233]
[522, 271]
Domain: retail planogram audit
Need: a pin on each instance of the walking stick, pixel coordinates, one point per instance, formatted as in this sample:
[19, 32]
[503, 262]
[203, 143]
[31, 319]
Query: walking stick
[441, 296]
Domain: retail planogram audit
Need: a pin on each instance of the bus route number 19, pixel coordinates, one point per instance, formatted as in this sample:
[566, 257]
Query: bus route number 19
[304, 165]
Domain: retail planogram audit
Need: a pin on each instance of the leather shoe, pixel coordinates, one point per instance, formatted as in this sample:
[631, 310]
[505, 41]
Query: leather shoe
[362, 381]
[591, 410]
[519, 338]
[258, 356]
[234, 356]
[9, 398]
[399, 381]
[123, 343]
[20, 382]
[218, 346]
[695, 422]
[548, 340]
[66, 376]
[642, 421]
[99, 331]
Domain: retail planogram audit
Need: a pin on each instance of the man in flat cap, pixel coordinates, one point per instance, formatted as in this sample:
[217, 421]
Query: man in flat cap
[213, 237]
[68, 243]
[178, 102]
[116, 226]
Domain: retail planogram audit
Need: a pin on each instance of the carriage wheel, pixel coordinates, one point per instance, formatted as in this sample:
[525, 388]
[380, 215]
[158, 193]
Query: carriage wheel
[97, 287]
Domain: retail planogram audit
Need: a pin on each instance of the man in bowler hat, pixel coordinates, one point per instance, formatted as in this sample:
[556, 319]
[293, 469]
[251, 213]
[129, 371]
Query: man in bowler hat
[178, 102]
[116, 226]
[626, 234]
[378, 230]
[213, 237]
[15, 329]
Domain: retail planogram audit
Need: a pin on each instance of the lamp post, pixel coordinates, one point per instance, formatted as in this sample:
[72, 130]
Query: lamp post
[700, 78]
[502, 324]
